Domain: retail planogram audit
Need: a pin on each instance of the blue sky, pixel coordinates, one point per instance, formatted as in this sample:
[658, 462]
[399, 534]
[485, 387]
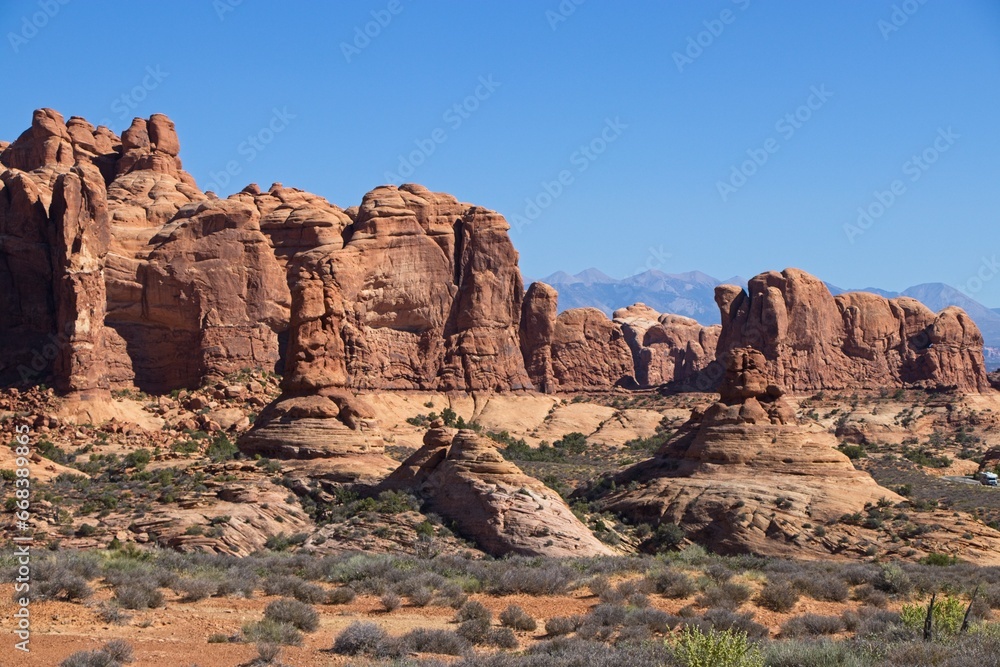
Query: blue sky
[667, 122]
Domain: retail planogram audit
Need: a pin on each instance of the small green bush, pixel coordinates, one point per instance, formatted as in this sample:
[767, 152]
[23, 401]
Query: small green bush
[694, 648]
[946, 618]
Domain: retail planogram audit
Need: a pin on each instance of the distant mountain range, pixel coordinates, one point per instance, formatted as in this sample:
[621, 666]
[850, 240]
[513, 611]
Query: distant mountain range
[693, 294]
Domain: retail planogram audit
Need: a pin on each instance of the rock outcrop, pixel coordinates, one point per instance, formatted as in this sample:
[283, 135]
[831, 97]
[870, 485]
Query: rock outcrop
[814, 340]
[117, 271]
[461, 476]
[743, 476]
[336, 429]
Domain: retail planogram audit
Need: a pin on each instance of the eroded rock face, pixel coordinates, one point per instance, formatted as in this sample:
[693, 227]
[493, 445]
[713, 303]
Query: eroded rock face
[578, 349]
[462, 477]
[813, 340]
[424, 294]
[744, 476]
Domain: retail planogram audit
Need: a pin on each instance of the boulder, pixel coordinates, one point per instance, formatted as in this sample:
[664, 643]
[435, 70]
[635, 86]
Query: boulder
[462, 477]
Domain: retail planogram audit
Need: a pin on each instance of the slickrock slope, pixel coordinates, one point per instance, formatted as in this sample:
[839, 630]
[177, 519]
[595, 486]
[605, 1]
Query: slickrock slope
[743, 476]
[813, 340]
[462, 477]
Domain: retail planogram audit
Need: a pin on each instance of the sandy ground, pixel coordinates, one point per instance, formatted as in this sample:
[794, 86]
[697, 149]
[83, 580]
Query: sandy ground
[177, 635]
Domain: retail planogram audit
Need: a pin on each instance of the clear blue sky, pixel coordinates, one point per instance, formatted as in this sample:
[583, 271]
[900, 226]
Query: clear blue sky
[652, 197]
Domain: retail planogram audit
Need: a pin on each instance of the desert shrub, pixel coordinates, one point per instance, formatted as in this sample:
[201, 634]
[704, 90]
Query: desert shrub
[421, 597]
[857, 574]
[341, 595]
[562, 625]
[546, 580]
[63, 584]
[360, 638]
[881, 623]
[811, 624]
[138, 596]
[390, 601]
[850, 619]
[654, 620]
[237, 582]
[725, 619]
[112, 613]
[195, 588]
[444, 642]
[267, 654]
[639, 600]
[939, 559]
[293, 612]
[89, 659]
[946, 616]
[718, 573]
[822, 653]
[600, 586]
[990, 594]
[729, 595]
[516, 618]
[269, 631]
[778, 596]
[502, 638]
[869, 595]
[825, 588]
[475, 630]
[893, 579]
[673, 584]
[694, 648]
[115, 653]
[296, 587]
[119, 650]
[473, 610]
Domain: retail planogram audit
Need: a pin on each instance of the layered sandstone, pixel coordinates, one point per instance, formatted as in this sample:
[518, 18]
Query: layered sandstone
[337, 430]
[461, 476]
[744, 476]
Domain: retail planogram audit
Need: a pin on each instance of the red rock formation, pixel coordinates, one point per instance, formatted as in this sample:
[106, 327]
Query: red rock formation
[114, 262]
[813, 340]
[537, 328]
[80, 213]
